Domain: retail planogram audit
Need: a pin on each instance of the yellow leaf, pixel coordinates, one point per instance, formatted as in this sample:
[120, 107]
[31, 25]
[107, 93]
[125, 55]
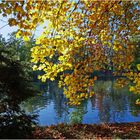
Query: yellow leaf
[8, 11]
[18, 34]
[131, 89]
[137, 102]
[18, 9]
[35, 68]
[26, 38]
[138, 67]
[12, 22]
[52, 79]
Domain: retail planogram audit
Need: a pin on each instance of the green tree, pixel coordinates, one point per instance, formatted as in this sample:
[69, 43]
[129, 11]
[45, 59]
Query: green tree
[15, 87]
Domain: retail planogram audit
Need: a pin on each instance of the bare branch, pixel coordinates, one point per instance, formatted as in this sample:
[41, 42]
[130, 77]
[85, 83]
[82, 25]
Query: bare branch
[3, 20]
[3, 26]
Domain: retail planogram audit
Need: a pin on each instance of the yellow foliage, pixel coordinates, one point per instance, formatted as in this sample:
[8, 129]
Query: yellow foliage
[138, 102]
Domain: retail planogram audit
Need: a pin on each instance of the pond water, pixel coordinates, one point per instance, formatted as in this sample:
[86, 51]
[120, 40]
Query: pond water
[109, 105]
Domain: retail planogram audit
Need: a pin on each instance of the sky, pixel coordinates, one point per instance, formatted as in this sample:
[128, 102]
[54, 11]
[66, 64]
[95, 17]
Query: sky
[5, 29]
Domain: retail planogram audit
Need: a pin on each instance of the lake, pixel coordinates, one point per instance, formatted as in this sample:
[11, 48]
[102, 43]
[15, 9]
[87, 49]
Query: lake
[109, 105]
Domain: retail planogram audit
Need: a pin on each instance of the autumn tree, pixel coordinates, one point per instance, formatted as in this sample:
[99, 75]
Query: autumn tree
[82, 36]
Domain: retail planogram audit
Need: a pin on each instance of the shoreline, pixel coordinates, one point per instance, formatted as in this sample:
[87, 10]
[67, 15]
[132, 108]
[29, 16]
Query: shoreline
[89, 131]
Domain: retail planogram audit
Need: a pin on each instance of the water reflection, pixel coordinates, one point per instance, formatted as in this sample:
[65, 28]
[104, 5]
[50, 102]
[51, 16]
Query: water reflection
[109, 104]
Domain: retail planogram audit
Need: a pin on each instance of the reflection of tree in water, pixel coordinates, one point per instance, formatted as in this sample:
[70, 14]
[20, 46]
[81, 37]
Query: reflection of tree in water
[35, 104]
[39, 101]
[60, 104]
[53, 94]
[134, 109]
[100, 100]
[57, 97]
[77, 114]
[112, 103]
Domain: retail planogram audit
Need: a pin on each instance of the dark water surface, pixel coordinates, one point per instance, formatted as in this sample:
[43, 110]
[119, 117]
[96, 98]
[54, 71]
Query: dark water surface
[108, 105]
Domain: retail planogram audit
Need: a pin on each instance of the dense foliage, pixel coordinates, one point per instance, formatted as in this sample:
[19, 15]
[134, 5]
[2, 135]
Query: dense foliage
[15, 87]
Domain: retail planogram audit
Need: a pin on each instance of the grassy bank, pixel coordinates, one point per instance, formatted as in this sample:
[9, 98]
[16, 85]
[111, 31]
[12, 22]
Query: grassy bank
[86, 131]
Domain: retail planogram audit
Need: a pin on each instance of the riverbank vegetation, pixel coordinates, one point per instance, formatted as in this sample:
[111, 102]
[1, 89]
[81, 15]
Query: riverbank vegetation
[15, 87]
